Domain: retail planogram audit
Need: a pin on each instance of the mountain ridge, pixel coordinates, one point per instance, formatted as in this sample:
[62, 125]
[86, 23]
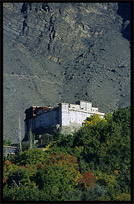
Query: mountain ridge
[56, 52]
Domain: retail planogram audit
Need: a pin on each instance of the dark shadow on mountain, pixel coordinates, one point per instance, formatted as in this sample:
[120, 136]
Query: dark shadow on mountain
[124, 10]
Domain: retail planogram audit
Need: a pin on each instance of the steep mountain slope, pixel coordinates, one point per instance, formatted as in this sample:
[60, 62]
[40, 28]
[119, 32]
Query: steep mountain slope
[56, 52]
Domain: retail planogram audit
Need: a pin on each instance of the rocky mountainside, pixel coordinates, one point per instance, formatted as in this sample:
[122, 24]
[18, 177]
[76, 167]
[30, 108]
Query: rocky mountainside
[55, 52]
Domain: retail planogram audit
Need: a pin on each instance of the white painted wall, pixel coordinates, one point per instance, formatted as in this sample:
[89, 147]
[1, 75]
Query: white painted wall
[95, 109]
[86, 105]
[78, 116]
[74, 107]
[66, 115]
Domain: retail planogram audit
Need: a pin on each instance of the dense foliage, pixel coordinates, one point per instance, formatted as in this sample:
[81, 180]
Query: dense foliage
[92, 164]
[6, 142]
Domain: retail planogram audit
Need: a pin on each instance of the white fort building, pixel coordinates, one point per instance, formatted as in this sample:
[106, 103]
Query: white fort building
[66, 117]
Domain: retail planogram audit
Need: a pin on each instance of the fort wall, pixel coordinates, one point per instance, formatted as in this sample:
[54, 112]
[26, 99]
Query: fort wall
[69, 117]
[43, 120]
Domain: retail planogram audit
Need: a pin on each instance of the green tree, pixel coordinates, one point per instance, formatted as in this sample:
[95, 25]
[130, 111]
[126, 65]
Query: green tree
[31, 138]
[6, 142]
[101, 148]
[29, 192]
[58, 177]
[45, 139]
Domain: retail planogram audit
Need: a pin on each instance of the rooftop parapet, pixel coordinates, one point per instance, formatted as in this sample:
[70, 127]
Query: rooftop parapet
[85, 105]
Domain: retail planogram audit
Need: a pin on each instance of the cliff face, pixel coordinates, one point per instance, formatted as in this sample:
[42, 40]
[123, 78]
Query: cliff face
[55, 52]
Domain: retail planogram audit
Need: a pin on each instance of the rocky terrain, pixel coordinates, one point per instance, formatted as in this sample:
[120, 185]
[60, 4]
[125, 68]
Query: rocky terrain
[55, 52]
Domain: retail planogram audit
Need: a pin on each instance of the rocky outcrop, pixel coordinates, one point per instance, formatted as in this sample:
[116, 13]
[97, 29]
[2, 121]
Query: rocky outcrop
[56, 52]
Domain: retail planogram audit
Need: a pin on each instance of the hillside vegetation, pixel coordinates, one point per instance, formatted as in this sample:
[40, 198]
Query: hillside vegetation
[93, 164]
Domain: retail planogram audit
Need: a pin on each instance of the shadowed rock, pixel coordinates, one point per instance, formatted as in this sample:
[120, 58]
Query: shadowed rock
[55, 52]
